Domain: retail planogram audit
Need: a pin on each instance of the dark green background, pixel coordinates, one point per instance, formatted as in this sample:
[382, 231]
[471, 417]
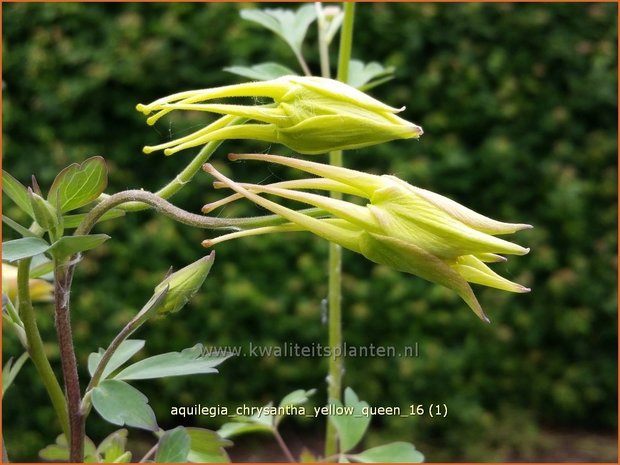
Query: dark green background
[518, 105]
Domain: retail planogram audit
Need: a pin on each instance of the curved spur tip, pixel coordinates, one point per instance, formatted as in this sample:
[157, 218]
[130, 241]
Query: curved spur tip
[233, 156]
[208, 168]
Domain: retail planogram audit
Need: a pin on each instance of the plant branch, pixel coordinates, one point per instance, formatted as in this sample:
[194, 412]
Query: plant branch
[141, 317]
[167, 209]
[303, 64]
[283, 446]
[35, 346]
[63, 275]
[151, 452]
[336, 364]
[5, 457]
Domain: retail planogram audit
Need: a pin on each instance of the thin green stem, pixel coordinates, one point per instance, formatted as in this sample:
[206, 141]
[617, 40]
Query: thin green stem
[35, 346]
[346, 42]
[5, 457]
[141, 317]
[334, 300]
[323, 42]
[302, 63]
[150, 453]
[283, 446]
[183, 177]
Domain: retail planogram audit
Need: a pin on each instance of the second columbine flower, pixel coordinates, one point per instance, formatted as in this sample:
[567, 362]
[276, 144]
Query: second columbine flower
[310, 115]
[402, 226]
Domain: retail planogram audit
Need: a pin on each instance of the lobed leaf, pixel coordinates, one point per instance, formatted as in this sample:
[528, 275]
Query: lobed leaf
[350, 426]
[360, 73]
[187, 362]
[395, 452]
[207, 446]
[262, 71]
[59, 451]
[10, 371]
[123, 353]
[174, 446]
[290, 26]
[121, 404]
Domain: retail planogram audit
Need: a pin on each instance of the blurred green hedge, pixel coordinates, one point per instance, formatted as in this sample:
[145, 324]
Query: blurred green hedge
[518, 104]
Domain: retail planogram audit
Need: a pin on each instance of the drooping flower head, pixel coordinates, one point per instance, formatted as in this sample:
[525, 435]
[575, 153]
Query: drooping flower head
[402, 226]
[310, 115]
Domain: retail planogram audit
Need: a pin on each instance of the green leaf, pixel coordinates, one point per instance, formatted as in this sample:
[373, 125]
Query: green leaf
[112, 448]
[362, 73]
[298, 397]
[228, 430]
[44, 213]
[16, 191]
[10, 371]
[60, 451]
[261, 421]
[79, 184]
[69, 245]
[351, 425]
[261, 72]
[123, 353]
[15, 226]
[73, 221]
[395, 452]
[207, 446]
[290, 26]
[173, 446]
[121, 404]
[42, 267]
[194, 360]
[23, 248]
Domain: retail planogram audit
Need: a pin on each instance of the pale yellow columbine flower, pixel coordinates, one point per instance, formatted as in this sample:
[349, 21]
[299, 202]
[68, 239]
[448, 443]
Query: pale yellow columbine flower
[40, 290]
[402, 226]
[310, 115]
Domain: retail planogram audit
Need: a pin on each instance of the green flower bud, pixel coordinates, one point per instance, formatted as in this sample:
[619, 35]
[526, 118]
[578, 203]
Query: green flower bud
[183, 284]
[310, 115]
[44, 213]
[402, 226]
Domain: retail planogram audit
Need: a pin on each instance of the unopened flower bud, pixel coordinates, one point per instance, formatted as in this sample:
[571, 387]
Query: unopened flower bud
[183, 284]
[44, 213]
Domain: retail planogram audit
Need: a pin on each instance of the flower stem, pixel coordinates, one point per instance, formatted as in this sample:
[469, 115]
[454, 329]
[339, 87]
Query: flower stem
[140, 197]
[63, 275]
[283, 446]
[35, 346]
[323, 43]
[336, 364]
[140, 318]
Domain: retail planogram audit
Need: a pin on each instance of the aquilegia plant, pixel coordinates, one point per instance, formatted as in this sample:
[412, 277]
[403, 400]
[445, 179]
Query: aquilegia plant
[397, 224]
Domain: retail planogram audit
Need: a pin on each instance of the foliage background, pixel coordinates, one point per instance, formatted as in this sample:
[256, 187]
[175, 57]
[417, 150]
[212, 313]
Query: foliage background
[519, 107]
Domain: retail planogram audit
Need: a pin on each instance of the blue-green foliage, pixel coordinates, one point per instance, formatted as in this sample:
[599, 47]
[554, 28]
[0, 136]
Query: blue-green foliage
[518, 105]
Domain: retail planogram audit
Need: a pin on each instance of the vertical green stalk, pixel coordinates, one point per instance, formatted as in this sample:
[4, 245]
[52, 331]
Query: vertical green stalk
[336, 364]
[35, 346]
